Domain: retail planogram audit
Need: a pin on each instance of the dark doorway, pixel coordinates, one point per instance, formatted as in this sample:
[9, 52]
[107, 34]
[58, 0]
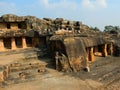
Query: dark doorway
[8, 26]
[19, 26]
[18, 41]
[7, 43]
[29, 41]
[99, 48]
[42, 41]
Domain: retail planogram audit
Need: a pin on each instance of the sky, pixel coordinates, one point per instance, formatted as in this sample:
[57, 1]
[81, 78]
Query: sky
[95, 13]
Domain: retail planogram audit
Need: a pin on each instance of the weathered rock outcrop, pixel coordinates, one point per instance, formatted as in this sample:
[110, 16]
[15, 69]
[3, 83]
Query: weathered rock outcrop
[75, 43]
[43, 26]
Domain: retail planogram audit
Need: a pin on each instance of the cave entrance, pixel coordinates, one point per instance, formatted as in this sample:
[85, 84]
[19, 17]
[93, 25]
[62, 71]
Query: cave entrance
[7, 43]
[29, 41]
[18, 41]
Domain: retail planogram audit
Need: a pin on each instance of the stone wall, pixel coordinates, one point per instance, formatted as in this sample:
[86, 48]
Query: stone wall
[3, 26]
[45, 25]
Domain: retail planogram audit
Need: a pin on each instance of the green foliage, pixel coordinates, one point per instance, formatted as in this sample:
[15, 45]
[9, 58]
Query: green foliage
[94, 29]
[112, 29]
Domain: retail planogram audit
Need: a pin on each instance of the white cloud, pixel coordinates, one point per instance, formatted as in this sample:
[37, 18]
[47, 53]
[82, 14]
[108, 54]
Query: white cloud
[8, 8]
[94, 4]
[71, 4]
[61, 8]
[87, 11]
[87, 3]
[45, 2]
[101, 3]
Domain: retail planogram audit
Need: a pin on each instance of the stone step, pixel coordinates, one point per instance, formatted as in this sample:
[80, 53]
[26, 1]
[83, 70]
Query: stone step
[15, 67]
[27, 50]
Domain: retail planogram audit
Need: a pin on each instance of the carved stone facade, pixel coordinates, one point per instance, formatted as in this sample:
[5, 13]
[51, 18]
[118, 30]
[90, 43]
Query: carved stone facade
[79, 51]
[76, 44]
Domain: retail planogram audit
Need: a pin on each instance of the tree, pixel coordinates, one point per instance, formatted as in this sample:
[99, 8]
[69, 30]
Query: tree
[94, 29]
[112, 29]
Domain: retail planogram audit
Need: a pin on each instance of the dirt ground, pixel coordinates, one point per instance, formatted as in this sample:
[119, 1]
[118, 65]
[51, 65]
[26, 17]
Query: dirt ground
[104, 75]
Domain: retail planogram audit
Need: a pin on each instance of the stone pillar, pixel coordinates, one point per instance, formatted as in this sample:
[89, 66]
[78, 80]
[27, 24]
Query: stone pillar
[2, 45]
[87, 61]
[13, 44]
[24, 42]
[2, 76]
[111, 49]
[87, 51]
[87, 67]
[7, 70]
[104, 50]
[56, 60]
[91, 54]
